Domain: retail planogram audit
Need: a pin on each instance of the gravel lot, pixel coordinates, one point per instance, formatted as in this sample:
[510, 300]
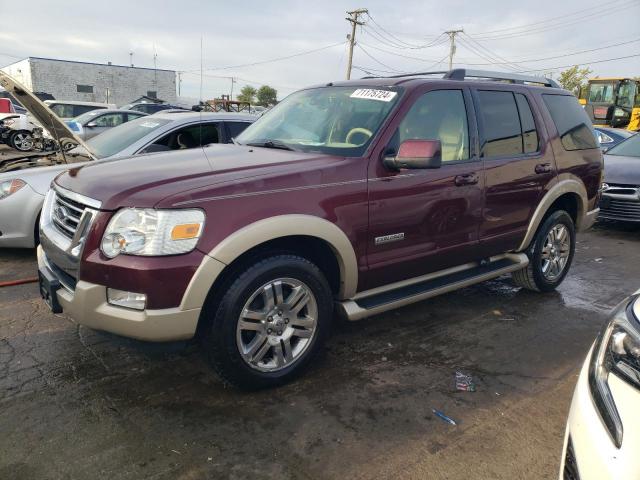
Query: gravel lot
[78, 404]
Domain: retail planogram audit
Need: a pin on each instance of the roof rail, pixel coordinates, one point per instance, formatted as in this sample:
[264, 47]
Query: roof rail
[463, 73]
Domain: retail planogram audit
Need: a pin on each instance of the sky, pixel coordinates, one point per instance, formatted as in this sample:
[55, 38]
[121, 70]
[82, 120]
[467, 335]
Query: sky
[399, 36]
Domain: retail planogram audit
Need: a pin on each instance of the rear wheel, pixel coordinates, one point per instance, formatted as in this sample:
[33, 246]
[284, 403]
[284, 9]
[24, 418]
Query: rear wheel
[21, 140]
[269, 323]
[550, 254]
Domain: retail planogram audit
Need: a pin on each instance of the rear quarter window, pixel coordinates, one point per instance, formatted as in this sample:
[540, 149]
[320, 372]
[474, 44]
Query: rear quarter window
[571, 121]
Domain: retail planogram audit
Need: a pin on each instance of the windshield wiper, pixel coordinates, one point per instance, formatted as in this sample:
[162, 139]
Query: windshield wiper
[272, 144]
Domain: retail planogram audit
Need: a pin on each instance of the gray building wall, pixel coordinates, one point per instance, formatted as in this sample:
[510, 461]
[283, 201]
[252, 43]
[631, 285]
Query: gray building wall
[120, 84]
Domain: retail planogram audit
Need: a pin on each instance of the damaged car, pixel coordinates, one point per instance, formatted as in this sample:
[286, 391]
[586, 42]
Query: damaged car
[25, 181]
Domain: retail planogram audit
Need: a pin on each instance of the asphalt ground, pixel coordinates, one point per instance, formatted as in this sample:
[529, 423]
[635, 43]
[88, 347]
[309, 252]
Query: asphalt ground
[78, 404]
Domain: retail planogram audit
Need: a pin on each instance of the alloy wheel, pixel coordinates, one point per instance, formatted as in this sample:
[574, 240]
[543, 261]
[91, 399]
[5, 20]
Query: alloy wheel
[22, 141]
[277, 324]
[555, 252]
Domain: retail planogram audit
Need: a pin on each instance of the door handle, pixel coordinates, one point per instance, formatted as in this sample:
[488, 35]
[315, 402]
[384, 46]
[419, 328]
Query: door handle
[466, 179]
[543, 168]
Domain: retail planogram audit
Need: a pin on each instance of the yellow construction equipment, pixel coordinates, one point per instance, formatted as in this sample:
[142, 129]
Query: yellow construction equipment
[613, 102]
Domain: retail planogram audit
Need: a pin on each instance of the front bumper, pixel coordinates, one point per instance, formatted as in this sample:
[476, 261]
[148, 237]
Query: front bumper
[87, 303]
[18, 215]
[596, 456]
[589, 219]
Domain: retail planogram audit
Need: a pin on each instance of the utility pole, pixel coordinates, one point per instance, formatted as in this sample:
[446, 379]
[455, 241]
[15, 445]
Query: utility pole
[233, 80]
[452, 44]
[353, 18]
[179, 81]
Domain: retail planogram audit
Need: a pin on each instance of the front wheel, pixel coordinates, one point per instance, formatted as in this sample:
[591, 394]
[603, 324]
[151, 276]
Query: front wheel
[21, 140]
[550, 254]
[269, 322]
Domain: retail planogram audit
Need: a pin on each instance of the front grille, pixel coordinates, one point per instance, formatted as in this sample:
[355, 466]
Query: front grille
[570, 466]
[620, 209]
[66, 214]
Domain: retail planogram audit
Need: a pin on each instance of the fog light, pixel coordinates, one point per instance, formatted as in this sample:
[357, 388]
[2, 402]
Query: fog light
[126, 299]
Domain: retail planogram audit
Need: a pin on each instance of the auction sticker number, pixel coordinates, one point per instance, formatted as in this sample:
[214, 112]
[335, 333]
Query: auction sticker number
[373, 94]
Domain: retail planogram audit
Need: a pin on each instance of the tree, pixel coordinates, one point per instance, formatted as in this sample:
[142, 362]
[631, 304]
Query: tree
[267, 96]
[247, 94]
[573, 78]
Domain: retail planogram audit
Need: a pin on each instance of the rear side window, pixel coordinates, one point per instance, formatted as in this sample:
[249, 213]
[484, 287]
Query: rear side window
[529, 132]
[500, 124]
[572, 123]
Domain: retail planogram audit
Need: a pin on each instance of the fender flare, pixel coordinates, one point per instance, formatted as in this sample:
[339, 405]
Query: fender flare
[568, 184]
[257, 233]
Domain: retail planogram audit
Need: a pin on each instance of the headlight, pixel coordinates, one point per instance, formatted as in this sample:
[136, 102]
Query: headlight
[10, 186]
[8, 122]
[151, 232]
[617, 351]
[619, 112]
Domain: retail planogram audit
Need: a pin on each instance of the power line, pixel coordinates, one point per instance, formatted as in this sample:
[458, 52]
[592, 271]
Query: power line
[493, 60]
[376, 60]
[563, 23]
[398, 41]
[492, 54]
[426, 60]
[581, 63]
[277, 59]
[551, 19]
[368, 70]
[580, 52]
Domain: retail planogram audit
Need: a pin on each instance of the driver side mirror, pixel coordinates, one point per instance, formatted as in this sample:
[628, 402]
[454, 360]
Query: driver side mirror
[416, 154]
[92, 124]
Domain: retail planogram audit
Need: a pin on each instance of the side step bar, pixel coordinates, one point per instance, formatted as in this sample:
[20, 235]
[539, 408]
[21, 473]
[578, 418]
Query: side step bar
[399, 294]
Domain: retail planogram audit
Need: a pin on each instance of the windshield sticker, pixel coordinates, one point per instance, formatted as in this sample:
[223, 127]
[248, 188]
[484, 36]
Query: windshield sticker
[149, 125]
[372, 94]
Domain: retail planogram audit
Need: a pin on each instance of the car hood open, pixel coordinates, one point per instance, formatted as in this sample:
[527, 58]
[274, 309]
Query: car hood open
[42, 113]
[622, 170]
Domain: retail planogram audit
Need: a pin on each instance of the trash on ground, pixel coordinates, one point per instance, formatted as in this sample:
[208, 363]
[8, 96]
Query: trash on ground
[441, 415]
[464, 382]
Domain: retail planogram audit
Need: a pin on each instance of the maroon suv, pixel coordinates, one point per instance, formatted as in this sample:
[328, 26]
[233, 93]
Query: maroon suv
[358, 196]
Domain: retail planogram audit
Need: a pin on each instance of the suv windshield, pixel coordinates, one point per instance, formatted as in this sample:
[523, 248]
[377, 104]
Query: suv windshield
[628, 148]
[118, 138]
[332, 120]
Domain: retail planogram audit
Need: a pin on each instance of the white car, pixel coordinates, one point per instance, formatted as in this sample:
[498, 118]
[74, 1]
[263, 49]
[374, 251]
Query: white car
[602, 439]
[19, 131]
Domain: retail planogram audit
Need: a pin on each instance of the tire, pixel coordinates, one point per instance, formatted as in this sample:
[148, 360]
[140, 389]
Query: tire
[549, 262]
[255, 339]
[21, 141]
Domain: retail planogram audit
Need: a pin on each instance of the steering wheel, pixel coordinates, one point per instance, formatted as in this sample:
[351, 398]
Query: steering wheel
[353, 131]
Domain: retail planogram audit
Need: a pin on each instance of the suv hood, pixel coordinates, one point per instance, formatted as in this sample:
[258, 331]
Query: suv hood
[622, 170]
[42, 113]
[146, 180]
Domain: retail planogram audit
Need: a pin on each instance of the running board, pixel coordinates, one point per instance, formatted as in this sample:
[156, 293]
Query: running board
[399, 294]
